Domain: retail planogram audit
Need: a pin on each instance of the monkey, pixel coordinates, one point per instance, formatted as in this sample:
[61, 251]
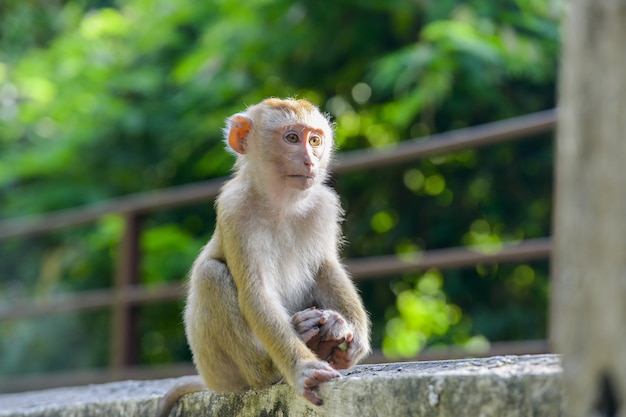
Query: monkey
[268, 298]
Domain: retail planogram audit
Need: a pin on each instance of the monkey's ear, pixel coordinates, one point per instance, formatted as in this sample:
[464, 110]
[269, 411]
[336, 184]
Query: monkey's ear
[239, 128]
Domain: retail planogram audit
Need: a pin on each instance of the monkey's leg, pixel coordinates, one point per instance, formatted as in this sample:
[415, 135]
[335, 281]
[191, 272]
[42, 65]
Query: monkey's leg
[228, 355]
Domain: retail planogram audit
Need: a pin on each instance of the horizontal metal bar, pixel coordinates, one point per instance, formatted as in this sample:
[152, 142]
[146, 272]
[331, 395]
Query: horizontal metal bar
[90, 300]
[135, 203]
[383, 266]
[20, 383]
[523, 127]
[361, 269]
[509, 129]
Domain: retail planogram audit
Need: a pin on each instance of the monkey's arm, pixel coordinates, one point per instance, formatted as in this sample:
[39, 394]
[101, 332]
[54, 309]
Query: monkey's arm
[270, 321]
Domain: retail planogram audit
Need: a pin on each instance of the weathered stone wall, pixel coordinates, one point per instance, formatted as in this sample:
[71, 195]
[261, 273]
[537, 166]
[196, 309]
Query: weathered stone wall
[499, 386]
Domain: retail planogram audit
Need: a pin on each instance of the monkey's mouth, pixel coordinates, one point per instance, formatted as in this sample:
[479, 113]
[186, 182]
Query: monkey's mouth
[308, 177]
[300, 181]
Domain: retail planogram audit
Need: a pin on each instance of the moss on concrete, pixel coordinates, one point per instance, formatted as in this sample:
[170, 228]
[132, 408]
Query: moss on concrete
[500, 386]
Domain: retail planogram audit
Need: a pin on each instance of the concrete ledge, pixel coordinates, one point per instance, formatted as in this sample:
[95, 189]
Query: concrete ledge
[498, 386]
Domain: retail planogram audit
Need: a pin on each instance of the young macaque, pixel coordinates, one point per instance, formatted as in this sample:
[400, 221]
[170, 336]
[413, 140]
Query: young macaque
[269, 299]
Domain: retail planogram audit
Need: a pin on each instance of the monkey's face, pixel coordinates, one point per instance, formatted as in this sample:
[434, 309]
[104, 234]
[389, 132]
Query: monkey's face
[284, 144]
[303, 155]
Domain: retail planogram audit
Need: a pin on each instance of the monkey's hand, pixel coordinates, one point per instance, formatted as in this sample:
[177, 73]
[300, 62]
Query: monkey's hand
[326, 333]
[336, 336]
[313, 374]
[307, 324]
[337, 342]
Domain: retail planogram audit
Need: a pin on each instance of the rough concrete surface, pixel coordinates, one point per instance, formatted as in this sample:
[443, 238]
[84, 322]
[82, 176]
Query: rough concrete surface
[499, 386]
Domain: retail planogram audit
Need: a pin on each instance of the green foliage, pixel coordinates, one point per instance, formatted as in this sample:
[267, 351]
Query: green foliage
[423, 314]
[103, 98]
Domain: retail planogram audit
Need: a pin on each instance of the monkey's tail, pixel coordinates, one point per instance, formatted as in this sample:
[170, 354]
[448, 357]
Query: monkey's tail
[185, 385]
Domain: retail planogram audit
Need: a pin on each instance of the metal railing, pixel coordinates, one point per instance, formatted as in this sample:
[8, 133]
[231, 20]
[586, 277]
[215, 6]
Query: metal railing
[127, 292]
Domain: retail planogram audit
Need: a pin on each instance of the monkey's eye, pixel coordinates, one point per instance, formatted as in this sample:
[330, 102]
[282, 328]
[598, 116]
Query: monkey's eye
[292, 137]
[315, 141]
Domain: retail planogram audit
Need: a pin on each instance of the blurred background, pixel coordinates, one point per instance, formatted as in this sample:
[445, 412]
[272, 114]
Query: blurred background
[102, 99]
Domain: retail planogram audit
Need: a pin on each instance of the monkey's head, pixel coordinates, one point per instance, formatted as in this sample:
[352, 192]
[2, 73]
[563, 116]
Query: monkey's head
[286, 141]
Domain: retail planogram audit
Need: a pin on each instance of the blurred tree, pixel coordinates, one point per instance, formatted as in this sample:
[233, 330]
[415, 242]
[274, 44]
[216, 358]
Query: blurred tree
[102, 98]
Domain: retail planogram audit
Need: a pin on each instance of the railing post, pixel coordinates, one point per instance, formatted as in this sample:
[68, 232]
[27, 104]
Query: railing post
[124, 344]
[589, 278]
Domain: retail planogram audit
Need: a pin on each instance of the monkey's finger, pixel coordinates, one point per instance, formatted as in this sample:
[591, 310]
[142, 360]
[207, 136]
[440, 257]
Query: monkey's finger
[329, 330]
[309, 334]
[335, 328]
[337, 332]
[308, 324]
[313, 384]
[323, 375]
[310, 314]
[313, 399]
